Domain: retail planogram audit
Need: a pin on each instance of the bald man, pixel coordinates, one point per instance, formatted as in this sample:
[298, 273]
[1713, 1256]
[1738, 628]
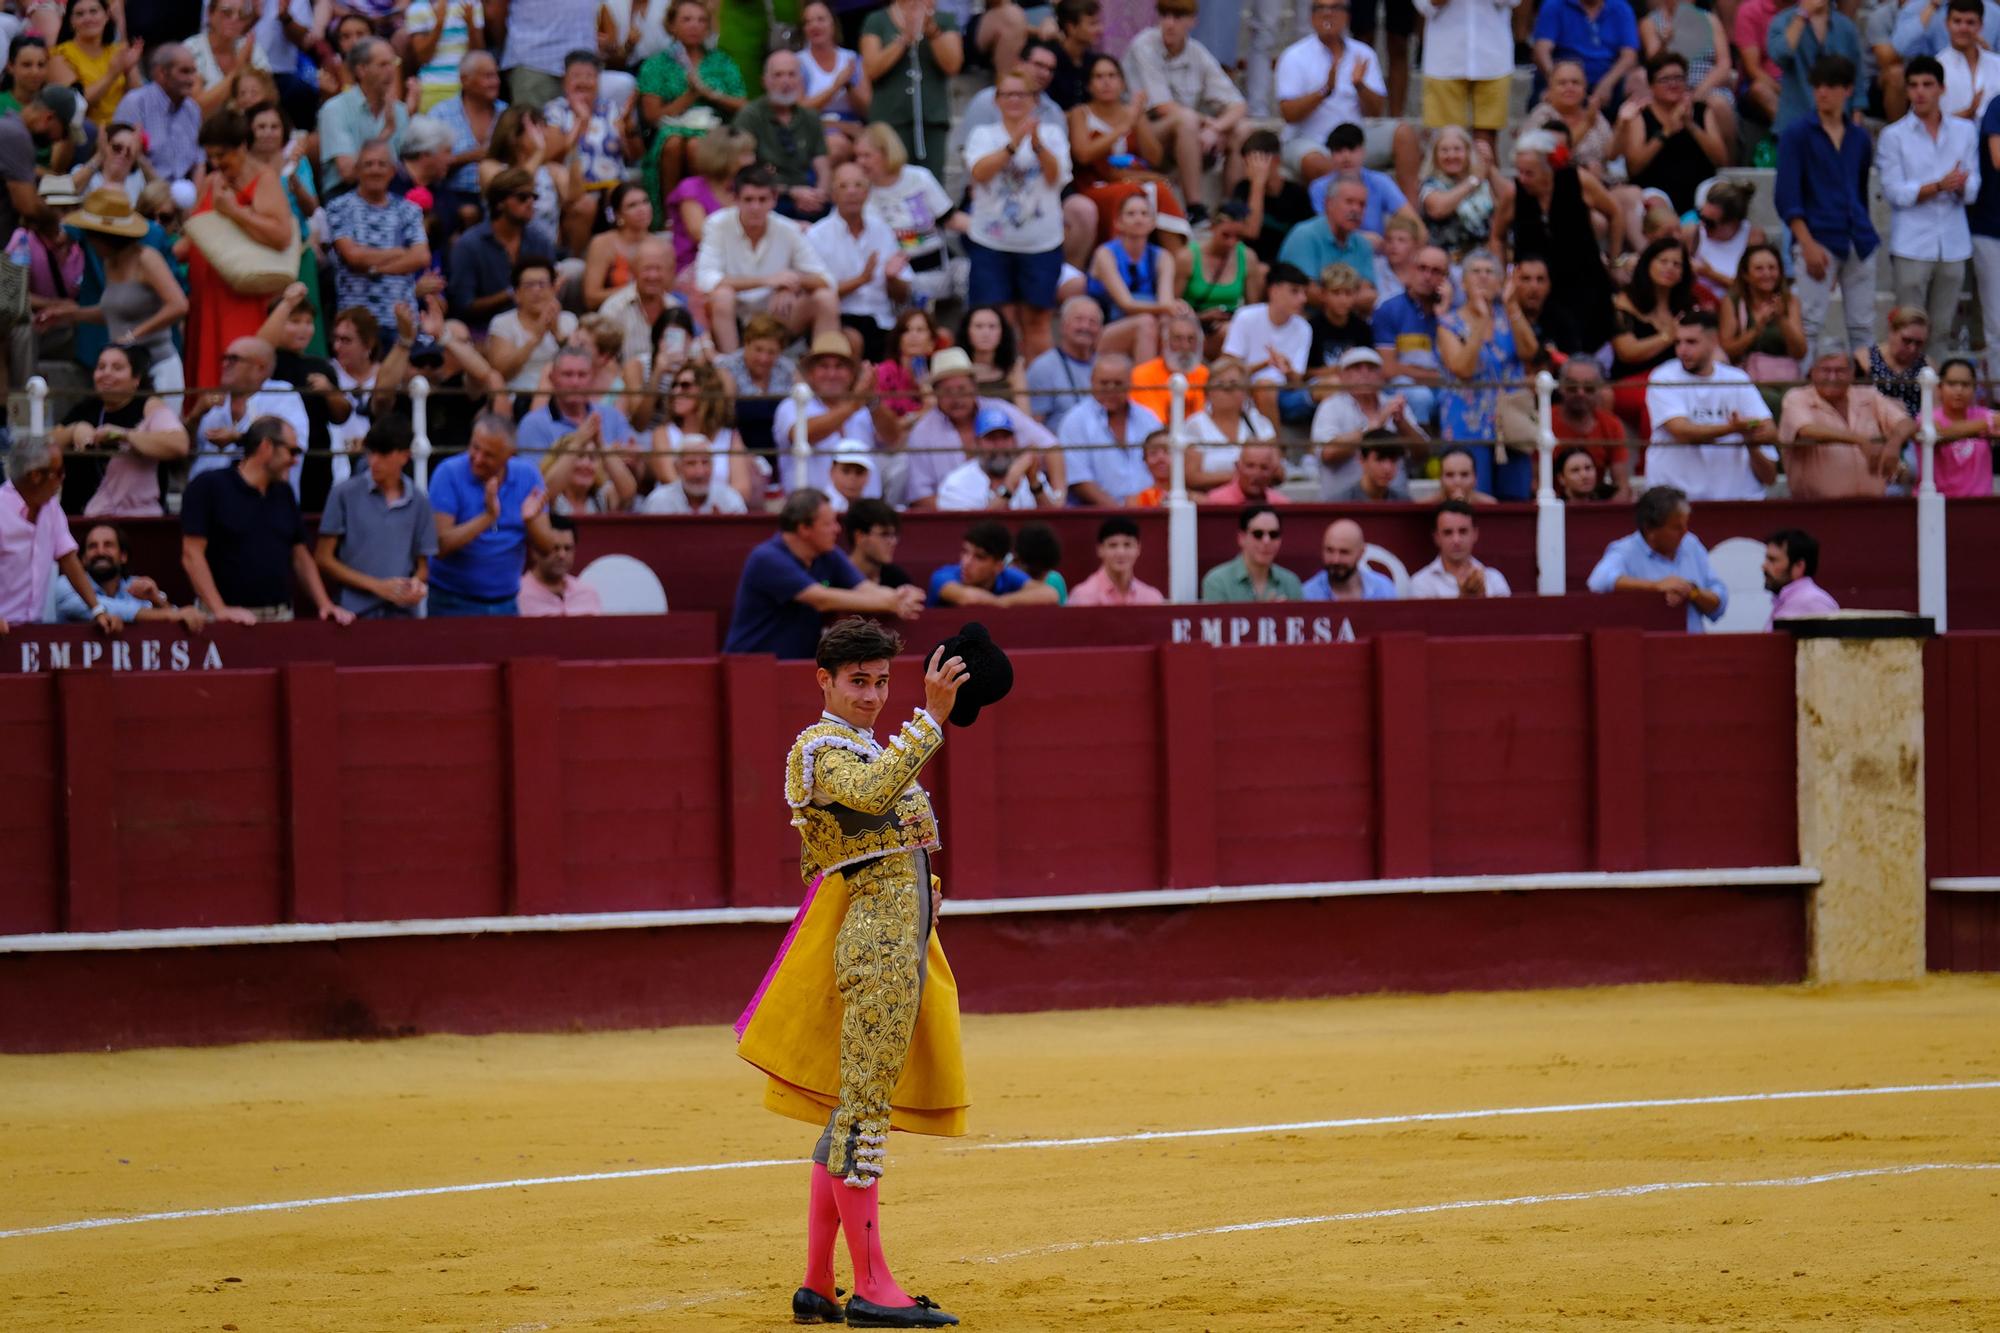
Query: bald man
[638, 305]
[1342, 576]
[249, 392]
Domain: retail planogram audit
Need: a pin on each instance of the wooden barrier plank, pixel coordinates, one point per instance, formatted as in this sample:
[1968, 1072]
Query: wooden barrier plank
[315, 889]
[1187, 738]
[757, 728]
[1402, 756]
[970, 794]
[1618, 740]
[89, 738]
[535, 880]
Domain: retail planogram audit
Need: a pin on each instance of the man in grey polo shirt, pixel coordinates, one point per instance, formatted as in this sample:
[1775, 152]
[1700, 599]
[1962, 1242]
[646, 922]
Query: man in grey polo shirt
[376, 535]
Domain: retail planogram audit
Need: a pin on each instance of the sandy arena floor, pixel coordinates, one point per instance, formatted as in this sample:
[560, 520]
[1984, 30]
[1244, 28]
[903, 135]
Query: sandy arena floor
[1445, 1222]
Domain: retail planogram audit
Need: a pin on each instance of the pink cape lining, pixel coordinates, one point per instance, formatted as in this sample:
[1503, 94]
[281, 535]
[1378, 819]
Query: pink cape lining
[797, 920]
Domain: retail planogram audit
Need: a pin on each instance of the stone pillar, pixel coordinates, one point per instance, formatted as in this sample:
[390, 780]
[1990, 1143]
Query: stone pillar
[1860, 690]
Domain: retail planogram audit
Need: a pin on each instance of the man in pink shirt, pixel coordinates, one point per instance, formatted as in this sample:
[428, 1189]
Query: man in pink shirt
[1760, 72]
[548, 588]
[1841, 440]
[1791, 558]
[35, 539]
[1113, 583]
[1260, 468]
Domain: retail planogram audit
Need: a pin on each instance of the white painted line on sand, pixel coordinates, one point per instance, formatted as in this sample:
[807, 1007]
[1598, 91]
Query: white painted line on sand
[703, 1168]
[1516, 1201]
[1489, 1113]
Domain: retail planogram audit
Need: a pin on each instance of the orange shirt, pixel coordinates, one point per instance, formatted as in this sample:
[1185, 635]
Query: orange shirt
[1149, 387]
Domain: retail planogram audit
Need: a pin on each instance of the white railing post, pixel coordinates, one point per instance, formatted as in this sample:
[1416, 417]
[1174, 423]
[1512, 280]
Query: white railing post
[420, 430]
[1182, 574]
[801, 446]
[1551, 551]
[38, 405]
[1930, 507]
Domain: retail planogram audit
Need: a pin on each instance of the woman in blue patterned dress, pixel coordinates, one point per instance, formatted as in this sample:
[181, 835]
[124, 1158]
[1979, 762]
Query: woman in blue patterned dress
[1487, 341]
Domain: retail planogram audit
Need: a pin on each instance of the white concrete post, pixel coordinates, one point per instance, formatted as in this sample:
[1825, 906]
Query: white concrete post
[420, 430]
[1930, 507]
[1182, 574]
[801, 446]
[38, 405]
[1551, 555]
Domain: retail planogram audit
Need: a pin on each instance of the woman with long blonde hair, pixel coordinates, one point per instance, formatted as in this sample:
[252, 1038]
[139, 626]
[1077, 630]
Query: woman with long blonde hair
[701, 406]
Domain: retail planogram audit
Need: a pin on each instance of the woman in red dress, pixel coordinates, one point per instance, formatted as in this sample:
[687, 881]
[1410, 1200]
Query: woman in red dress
[248, 193]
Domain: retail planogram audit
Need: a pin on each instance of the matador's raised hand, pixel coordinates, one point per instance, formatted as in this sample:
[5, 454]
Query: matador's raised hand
[942, 680]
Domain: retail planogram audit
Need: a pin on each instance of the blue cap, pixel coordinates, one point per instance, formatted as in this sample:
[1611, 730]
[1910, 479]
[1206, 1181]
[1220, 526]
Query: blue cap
[990, 420]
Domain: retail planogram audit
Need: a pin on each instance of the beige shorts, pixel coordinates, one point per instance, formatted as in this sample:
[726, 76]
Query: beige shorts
[1480, 103]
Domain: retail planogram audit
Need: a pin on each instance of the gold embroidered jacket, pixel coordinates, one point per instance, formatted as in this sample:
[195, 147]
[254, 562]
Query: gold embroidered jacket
[854, 799]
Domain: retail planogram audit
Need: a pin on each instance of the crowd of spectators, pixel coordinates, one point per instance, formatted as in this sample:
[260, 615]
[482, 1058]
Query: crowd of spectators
[611, 239]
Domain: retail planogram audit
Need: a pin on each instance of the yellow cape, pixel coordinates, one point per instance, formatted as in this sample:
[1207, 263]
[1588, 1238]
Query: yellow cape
[794, 1033]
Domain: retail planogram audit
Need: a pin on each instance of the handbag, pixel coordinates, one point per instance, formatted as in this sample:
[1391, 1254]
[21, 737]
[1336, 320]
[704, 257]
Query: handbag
[250, 269]
[1774, 371]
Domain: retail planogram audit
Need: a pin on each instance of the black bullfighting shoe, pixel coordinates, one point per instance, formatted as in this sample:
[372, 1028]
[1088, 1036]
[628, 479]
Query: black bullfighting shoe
[809, 1307]
[924, 1314]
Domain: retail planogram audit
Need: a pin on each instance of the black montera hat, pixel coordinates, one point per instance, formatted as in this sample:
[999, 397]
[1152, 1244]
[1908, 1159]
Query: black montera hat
[992, 674]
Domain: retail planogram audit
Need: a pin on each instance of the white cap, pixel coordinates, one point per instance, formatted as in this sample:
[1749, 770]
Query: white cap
[854, 451]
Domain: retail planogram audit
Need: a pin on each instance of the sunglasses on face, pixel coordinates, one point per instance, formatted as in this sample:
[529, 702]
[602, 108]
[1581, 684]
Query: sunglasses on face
[1265, 534]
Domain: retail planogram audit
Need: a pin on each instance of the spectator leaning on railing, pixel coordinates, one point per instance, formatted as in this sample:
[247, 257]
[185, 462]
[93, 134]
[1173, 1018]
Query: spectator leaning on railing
[1842, 441]
[377, 535]
[129, 597]
[35, 539]
[1791, 558]
[789, 580]
[1664, 557]
[243, 542]
[1712, 430]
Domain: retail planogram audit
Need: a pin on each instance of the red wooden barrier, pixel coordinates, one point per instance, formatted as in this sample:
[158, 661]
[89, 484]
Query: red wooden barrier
[1962, 794]
[1868, 547]
[314, 793]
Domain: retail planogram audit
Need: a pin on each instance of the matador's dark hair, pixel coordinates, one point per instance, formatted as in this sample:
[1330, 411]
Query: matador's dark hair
[857, 640]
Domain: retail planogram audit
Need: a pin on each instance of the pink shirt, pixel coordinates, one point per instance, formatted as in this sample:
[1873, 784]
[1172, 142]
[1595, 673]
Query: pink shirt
[1965, 467]
[577, 598]
[1099, 590]
[1801, 597]
[1753, 23]
[1231, 493]
[29, 549]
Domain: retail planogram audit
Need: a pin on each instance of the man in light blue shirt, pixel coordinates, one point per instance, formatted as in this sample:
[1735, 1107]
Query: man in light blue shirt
[1344, 576]
[1335, 236]
[1103, 438]
[128, 598]
[1663, 557]
[1915, 36]
[571, 407]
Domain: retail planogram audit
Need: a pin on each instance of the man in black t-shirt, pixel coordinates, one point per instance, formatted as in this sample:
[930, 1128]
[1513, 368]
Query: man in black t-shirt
[872, 530]
[242, 540]
[1286, 202]
[1338, 323]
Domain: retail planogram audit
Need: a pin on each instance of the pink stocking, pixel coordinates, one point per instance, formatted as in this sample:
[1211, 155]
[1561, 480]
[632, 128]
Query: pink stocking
[822, 1226]
[860, 1220]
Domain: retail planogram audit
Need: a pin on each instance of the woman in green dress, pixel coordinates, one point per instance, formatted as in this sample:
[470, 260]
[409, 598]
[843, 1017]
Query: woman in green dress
[685, 90]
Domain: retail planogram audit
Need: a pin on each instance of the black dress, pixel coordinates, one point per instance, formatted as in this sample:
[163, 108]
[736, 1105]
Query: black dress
[1578, 315]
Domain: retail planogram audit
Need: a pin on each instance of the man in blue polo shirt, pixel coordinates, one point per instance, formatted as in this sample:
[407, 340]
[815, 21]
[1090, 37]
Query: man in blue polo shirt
[1602, 36]
[489, 505]
[790, 579]
[569, 404]
[1664, 557]
[982, 576]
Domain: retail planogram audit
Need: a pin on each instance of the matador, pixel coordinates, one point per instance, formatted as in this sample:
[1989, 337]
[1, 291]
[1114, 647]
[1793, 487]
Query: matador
[856, 1023]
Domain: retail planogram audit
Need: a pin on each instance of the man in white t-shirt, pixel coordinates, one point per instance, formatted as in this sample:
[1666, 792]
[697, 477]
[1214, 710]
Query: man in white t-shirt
[1324, 80]
[1715, 427]
[1272, 339]
[871, 274]
[1455, 572]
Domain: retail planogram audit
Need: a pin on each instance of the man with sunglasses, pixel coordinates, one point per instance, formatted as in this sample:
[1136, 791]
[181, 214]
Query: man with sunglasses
[248, 394]
[1254, 575]
[482, 260]
[243, 543]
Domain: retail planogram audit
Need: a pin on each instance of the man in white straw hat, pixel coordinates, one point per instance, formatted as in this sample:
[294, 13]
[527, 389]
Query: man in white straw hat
[946, 437]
